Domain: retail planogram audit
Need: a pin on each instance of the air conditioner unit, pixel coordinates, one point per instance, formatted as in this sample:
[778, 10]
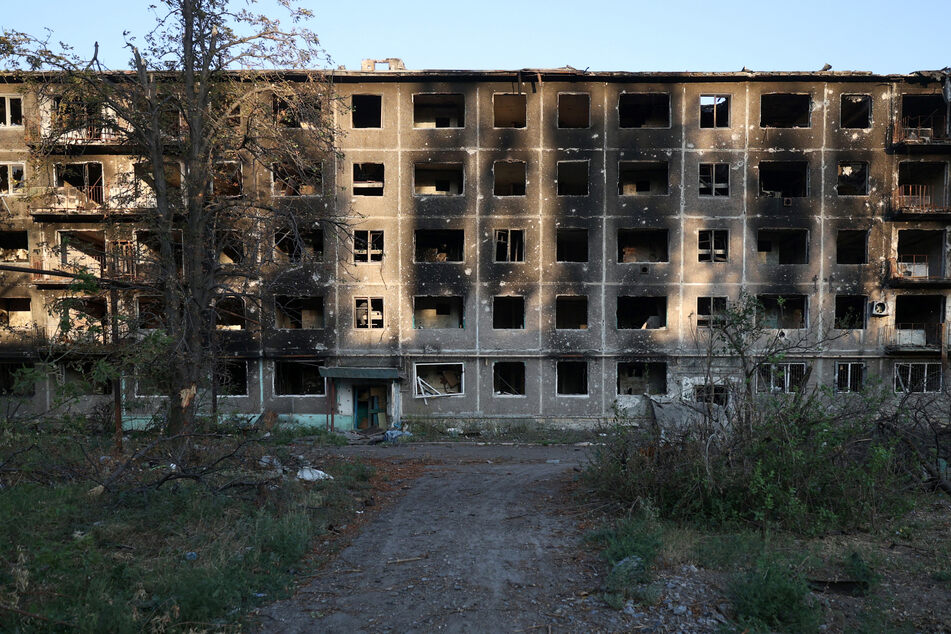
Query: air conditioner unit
[879, 309]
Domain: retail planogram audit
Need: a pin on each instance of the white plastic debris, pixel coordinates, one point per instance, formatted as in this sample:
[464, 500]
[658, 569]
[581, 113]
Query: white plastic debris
[309, 474]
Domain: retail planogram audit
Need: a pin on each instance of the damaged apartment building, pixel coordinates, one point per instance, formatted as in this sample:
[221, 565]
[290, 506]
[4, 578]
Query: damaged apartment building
[546, 245]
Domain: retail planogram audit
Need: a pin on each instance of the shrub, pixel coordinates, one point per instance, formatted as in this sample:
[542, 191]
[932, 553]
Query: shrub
[630, 547]
[773, 596]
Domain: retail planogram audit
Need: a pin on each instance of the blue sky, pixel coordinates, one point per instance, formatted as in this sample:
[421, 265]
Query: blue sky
[672, 35]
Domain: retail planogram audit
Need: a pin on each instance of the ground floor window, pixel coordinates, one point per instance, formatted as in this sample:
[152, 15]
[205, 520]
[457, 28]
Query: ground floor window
[298, 378]
[780, 377]
[439, 379]
[917, 377]
[849, 377]
[572, 378]
[508, 378]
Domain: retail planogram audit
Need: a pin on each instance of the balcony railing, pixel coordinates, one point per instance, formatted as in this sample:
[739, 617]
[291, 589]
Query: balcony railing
[912, 267]
[924, 129]
[911, 335]
[919, 198]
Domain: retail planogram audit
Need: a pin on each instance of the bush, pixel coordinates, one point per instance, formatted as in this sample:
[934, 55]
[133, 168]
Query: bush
[630, 547]
[773, 596]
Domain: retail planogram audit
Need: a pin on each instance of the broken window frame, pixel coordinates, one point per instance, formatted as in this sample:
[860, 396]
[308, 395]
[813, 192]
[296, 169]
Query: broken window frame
[10, 185]
[291, 181]
[322, 390]
[6, 117]
[461, 114]
[716, 122]
[425, 390]
[787, 377]
[496, 379]
[780, 308]
[224, 388]
[560, 366]
[558, 114]
[495, 118]
[372, 250]
[285, 304]
[650, 95]
[62, 247]
[300, 242]
[852, 379]
[841, 166]
[716, 182]
[93, 190]
[364, 186]
[511, 242]
[644, 368]
[717, 394]
[929, 382]
[867, 98]
[711, 311]
[371, 322]
[354, 112]
[712, 252]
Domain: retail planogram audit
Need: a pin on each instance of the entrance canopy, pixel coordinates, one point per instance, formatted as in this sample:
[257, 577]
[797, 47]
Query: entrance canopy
[360, 373]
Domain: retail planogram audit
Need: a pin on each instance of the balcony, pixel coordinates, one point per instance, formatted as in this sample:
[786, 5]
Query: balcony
[920, 201]
[909, 337]
[922, 132]
[916, 271]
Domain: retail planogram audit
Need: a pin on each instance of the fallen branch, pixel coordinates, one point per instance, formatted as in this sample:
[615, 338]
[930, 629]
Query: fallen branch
[34, 615]
[407, 560]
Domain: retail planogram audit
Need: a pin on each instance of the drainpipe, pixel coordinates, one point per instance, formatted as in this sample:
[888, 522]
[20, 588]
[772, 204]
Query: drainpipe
[331, 402]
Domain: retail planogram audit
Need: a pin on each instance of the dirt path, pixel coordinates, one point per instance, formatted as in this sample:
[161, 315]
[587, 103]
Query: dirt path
[482, 541]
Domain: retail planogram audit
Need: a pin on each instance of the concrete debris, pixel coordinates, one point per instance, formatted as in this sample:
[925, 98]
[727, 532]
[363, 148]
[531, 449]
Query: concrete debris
[309, 474]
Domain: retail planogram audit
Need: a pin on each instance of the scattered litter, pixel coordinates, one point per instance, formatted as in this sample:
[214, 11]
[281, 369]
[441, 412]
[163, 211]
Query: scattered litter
[407, 560]
[96, 491]
[269, 462]
[392, 435]
[553, 461]
[309, 474]
[191, 555]
[453, 431]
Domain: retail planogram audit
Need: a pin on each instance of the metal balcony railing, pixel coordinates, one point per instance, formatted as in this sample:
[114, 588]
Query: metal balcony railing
[913, 335]
[919, 198]
[912, 267]
[923, 129]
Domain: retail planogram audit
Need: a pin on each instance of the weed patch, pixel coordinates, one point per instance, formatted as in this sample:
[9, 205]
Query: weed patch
[773, 596]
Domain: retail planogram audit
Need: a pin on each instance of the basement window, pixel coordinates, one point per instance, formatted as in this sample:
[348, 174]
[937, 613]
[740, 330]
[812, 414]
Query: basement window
[641, 178]
[368, 179]
[509, 245]
[437, 312]
[917, 377]
[644, 110]
[783, 378]
[15, 246]
[11, 178]
[572, 178]
[572, 378]
[850, 312]
[571, 245]
[783, 179]
[571, 312]
[438, 179]
[296, 180]
[849, 377]
[640, 377]
[784, 111]
[439, 379]
[298, 313]
[710, 311]
[15, 313]
[229, 314]
[642, 245]
[298, 378]
[714, 179]
[852, 178]
[711, 394]
[508, 110]
[439, 111]
[508, 378]
[11, 111]
[641, 313]
[232, 377]
[439, 245]
[226, 179]
[508, 312]
[783, 246]
[367, 111]
[781, 311]
[856, 111]
[713, 245]
[574, 110]
[509, 178]
[367, 246]
[17, 378]
[368, 312]
[851, 246]
[714, 111]
[294, 243]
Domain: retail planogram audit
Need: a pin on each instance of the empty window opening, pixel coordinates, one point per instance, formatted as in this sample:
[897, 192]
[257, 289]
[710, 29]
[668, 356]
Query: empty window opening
[15, 312]
[782, 246]
[86, 376]
[17, 378]
[368, 179]
[714, 111]
[230, 248]
[298, 378]
[15, 246]
[784, 111]
[780, 377]
[80, 183]
[849, 377]
[509, 110]
[11, 111]
[368, 312]
[644, 110]
[509, 178]
[143, 186]
[572, 378]
[711, 394]
[286, 111]
[571, 245]
[781, 311]
[921, 185]
[367, 111]
[714, 179]
[642, 245]
[82, 319]
[641, 313]
[851, 246]
[439, 245]
[296, 242]
[227, 179]
[150, 313]
[713, 245]
[783, 179]
[917, 377]
[439, 379]
[367, 246]
[438, 179]
[572, 178]
[297, 180]
[509, 245]
[852, 178]
[710, 311]
[229, 314]
[642, 178]
[508, 313]
[148, 254]
[298, 313]
[439, 111]
[438, 312]
[11, 178]
[78, 119]
[856, 111]
[921, 253]
[850, 312]
[571, 312]
[232, 377]
[923, 117]
[508, 378]
[920, 314]
[574, 110]
[640, 377]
